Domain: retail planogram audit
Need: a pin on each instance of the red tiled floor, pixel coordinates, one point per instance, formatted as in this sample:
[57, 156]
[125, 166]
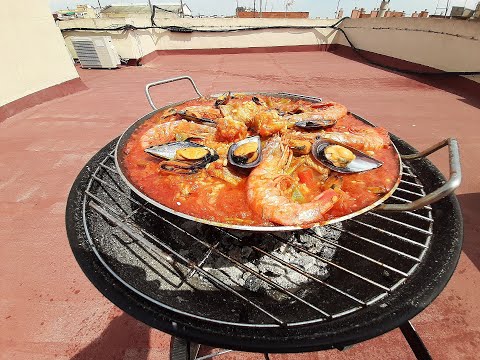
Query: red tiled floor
[48, 308]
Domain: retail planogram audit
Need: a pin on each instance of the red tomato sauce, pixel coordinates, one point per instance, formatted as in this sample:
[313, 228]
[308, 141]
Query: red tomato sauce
[203, 196]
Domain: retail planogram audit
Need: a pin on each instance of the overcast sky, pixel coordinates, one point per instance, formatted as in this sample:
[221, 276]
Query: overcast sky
[317, 8]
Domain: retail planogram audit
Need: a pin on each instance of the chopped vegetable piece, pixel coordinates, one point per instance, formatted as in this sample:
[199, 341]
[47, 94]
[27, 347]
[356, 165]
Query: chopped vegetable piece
[306, 176]
[297, 195]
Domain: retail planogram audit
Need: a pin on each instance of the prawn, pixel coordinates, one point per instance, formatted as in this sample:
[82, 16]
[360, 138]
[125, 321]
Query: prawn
[268, 122]
[265, 196]
[364, 139]
[318, 112]
[165, 132]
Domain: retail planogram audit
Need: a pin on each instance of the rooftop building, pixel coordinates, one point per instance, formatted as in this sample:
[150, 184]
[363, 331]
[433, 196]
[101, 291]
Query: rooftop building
[361, 13]
[143, 10]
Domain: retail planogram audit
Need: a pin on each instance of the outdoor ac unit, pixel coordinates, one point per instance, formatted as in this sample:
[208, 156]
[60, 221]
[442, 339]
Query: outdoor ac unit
[96, 52]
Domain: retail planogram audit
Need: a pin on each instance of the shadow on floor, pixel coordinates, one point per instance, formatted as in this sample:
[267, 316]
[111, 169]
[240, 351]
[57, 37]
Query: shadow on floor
[465, 89]
[470, 204]
[124, 337]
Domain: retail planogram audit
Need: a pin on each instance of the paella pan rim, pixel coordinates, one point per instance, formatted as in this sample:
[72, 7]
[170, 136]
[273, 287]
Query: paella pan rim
[132, 128]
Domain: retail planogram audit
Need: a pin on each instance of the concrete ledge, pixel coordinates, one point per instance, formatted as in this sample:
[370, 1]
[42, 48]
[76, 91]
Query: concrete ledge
[41, 96]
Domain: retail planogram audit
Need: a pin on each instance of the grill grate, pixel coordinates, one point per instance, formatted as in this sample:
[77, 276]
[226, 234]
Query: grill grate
[166, 259]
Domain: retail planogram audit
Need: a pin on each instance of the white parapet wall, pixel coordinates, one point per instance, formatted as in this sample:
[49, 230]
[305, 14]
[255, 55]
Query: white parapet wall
[33, 53]
[138, 43]
[444, 44]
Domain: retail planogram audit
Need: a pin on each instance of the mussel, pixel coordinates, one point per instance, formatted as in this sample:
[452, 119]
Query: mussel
[188, 115]
[314, 124]
[183, 157]
[246, 153]
[300, 147]
[257, 101]
[223, 99]
[342, 158]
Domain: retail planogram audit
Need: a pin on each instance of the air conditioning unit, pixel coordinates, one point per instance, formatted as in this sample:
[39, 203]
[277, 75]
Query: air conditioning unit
[96, 52]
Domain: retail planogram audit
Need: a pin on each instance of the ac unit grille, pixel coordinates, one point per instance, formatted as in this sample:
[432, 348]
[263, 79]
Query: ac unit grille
[96, 52]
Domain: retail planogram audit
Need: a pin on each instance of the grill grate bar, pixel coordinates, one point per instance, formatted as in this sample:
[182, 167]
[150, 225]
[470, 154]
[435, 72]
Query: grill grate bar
[97, 199]
[333, 264]
[127, 228]
[408, 191]
[108, 168]
[358, 254]
[419, 216]
[410, 175]
[390, 234]
[427, 232]
[310, 276]
[428, 207]
[201, 262]
[411, 183]
[377, 244]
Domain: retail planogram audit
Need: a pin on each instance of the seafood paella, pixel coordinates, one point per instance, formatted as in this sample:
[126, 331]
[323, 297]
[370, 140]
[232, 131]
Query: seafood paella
[261, 160]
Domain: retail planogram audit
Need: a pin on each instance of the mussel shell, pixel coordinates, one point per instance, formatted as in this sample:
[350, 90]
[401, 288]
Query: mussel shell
[361, 163]
[257, 101]
[314, 124]
[194, 118]
[169, 150]
[223, 99]
[240, 161]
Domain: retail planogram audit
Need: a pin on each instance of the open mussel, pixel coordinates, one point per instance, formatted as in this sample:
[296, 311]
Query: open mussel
[183, 157]
[246, 153]
[342, 158]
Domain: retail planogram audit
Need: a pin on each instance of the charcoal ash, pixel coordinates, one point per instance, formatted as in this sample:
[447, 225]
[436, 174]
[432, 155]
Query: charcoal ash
[302, 265]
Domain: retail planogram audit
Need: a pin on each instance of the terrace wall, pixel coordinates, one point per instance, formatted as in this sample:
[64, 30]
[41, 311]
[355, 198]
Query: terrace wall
[137, 44]
[33, 57]
[444, 44]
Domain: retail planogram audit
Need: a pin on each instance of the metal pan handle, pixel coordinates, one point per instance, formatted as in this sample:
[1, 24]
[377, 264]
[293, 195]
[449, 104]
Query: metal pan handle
[148, 86]
[446, 189]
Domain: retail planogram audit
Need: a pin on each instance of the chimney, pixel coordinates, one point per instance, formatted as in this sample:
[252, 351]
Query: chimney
[383, 8]
[355, 14]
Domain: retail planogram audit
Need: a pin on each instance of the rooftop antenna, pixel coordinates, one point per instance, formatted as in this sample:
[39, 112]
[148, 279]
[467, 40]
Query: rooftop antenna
[287, 4]
[182, 14]
[440, 7]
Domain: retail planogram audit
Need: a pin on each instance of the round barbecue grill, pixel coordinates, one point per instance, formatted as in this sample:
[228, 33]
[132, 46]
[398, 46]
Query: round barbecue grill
[322, 288]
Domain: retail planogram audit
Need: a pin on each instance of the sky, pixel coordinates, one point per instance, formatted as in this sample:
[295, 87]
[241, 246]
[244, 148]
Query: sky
[317, 8]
